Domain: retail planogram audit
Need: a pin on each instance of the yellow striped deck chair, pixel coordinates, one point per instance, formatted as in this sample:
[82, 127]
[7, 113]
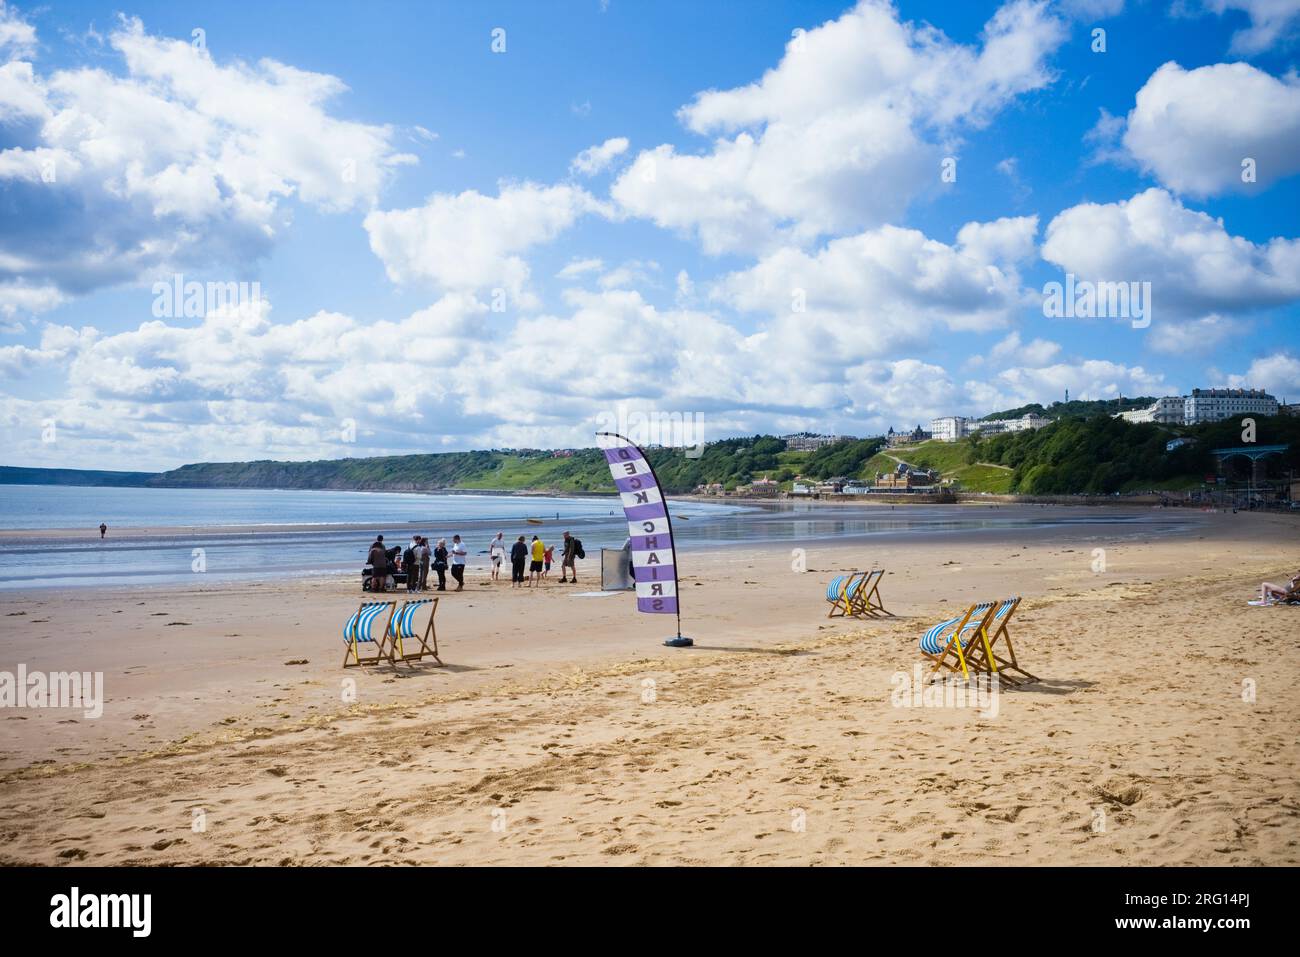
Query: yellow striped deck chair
[945, 644]
[866, 601]
[403, 629]
[359, 630]
[985, 655]
[841, 593]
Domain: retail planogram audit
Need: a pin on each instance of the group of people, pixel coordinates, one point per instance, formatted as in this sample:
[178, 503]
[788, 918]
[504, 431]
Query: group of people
[418, 559]
[537, 556]
[415, 562]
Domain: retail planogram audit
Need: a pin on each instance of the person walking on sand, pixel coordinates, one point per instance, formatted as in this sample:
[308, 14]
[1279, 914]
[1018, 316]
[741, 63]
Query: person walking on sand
[440, 563]
[103, 530]
[569, 559]
[497, 552]
[424, 563]
[546, 560]
[518, 556]
[539, 558]
[378, 561]
[458, 554]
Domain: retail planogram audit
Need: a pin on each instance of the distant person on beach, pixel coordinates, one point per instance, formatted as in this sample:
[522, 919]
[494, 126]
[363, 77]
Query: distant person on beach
[425, 555]
[568, 563]
[546, 560]
[103, 530]
[378, 561]
[458, 553]
[518, 556]
[539, 558]
[1289, 592]
[411, 565]
[440, 563]
[497, 552]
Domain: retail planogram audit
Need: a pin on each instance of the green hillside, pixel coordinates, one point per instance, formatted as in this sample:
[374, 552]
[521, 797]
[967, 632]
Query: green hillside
[1089, 455]
[14, 475]
[730, 462]
[951, 459]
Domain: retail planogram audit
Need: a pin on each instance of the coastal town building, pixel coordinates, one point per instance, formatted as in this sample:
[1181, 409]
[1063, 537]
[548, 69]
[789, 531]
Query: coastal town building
[949, 428]
[811, 441]
[1204, 405]
[1214, 405]
[762, 488]
[953, 427]
[1168, 410]
[918, 435]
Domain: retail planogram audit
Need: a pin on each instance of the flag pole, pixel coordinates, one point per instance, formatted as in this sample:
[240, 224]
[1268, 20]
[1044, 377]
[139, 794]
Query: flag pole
[679, 641]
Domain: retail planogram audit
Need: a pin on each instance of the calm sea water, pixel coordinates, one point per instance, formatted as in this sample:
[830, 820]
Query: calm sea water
[30, 558]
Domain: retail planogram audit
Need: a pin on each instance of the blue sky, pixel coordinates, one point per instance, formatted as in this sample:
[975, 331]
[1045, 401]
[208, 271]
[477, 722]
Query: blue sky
[761, 237]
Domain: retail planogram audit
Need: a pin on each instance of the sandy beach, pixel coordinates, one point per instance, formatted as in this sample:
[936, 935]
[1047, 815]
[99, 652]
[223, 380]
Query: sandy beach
[561, 731]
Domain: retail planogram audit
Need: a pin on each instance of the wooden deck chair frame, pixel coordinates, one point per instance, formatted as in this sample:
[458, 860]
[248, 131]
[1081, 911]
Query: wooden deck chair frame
[866, 601]
[352, 641]
[953, 655]
[842, 603]
[403, 619]
[988, 658]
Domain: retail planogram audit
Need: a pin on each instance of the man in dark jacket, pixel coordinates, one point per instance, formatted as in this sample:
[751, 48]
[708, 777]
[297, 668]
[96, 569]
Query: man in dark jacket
[378, 561]
[518, 556]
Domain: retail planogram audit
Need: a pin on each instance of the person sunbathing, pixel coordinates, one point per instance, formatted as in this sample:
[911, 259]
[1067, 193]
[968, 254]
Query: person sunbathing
[1289, 592]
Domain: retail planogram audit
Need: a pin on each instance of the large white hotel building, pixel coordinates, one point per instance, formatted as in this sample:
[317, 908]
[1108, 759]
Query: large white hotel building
[1205, 405]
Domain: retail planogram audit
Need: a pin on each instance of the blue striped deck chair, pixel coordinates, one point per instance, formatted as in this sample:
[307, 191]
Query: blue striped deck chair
[988, 659]
[945, 644]
[841, 592]
[402, 628]
[360, 629]
[865, 601]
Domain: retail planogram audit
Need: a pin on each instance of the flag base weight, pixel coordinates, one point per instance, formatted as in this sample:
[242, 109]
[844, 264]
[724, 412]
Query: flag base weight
[679, 642]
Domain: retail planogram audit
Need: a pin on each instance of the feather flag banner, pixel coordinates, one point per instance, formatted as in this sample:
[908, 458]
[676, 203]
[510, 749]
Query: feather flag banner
[654, 555]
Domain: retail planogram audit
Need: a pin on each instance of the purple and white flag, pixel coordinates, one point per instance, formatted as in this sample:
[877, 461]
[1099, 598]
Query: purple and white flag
[654, 564]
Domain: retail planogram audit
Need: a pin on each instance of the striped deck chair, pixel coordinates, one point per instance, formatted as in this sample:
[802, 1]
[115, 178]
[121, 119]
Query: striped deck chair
[841, 593]
[403, 628]
[359, 630]
[985, 656]
[866, 601]
[945, 643]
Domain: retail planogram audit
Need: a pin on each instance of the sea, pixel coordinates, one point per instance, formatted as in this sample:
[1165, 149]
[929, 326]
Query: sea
[159, 536]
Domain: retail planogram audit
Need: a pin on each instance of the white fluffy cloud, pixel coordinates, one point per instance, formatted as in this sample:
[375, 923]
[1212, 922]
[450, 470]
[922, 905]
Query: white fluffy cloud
[1271, 21]
[17, 36]
[842, 133]
[1085, 378]
[596, 158]
[468, 241]
[866, 296]
[179, 162]
[1195, 266]
[1192, 129]
[1277, 374]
